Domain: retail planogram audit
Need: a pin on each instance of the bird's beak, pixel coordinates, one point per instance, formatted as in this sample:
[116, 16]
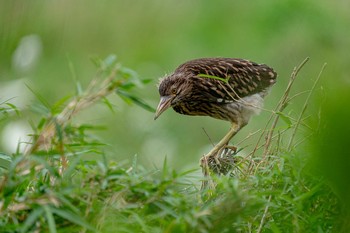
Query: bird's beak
[164, 104]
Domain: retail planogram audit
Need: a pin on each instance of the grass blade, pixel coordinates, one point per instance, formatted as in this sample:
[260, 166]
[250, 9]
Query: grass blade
[213, 77]
[71, 217]
[31, 219]
[50, 219]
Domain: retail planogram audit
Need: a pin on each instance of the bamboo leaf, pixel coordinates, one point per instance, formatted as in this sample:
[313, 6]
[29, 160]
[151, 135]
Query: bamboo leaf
[165, 168]
[40, 98]
[5, 161]
[146, 81]
[41, 123]
[285, 118]
[42, 161]
[96, 61]
[134, 164]
[127, 85]
[129, 73]
[13, 107]
[110, 60]
[59, 105]
[108, 104]
[130, 98]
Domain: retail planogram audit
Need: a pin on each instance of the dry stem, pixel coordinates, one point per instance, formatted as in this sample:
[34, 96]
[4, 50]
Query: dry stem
[280, 107]
[93, 94]
[304, 108]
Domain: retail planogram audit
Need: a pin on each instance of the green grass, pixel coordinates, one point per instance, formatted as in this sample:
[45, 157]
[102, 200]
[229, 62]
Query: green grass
[65, 182]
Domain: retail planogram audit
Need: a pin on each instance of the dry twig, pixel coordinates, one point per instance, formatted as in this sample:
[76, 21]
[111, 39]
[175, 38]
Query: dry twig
[280, 107]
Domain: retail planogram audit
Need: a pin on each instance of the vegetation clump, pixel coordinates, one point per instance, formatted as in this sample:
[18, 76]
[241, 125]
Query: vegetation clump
[65, 182]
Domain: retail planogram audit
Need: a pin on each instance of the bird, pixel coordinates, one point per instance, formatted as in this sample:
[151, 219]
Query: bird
[229, 89]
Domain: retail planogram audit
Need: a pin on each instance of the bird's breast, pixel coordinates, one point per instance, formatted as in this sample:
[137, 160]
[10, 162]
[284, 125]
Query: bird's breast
[215, 110]
[239, 111]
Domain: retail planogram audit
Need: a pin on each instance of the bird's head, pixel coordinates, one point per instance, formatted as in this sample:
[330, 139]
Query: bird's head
[172, 90]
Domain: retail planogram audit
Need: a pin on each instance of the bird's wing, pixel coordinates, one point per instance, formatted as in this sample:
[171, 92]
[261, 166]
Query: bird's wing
[227, 79]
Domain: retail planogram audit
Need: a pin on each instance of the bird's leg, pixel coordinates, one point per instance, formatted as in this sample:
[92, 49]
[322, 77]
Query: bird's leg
[223, 142]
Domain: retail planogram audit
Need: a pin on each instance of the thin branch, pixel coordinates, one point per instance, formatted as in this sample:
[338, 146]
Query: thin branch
[206, 133]
[247, 137]
[282, 104]
[79, 103]
[304, 108]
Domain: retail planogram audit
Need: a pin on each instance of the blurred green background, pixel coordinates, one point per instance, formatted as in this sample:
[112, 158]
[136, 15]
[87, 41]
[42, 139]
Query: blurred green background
[44, 44]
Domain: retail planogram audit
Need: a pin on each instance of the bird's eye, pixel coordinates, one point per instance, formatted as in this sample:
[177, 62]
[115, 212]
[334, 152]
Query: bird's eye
[173, 91]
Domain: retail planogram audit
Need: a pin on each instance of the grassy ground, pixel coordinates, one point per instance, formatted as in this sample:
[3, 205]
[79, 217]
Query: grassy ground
[55, 186]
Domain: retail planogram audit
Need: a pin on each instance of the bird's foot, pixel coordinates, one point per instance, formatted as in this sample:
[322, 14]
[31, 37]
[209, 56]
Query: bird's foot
[219, 162]
[231, 149]
[209, 159]
[211, 163]
[227, 151]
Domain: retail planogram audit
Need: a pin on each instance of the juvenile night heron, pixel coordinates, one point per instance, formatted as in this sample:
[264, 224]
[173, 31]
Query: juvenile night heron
[228, 89]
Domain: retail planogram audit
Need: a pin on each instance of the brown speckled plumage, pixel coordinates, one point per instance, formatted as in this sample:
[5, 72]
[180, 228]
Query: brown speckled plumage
[197, 87]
